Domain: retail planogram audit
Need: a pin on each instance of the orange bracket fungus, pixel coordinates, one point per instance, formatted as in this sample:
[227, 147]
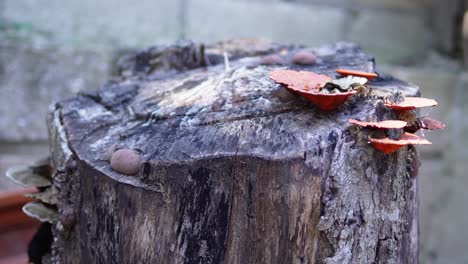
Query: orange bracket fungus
[309, 86]
[387, 124]
[326, 102]
[367, 75]
[410, 103]
[328, 93]
[299, 80]
[387, 145]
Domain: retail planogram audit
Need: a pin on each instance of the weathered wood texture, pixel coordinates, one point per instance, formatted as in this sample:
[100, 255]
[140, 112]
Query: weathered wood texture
[236, 170]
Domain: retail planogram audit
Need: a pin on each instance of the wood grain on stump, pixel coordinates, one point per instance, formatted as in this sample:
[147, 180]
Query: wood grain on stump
[234, 169]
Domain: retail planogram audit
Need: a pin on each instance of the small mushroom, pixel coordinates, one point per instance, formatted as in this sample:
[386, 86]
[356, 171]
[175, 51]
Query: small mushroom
[367, 75]
[410, 103]
[40, 212]
[304, 57]
[387, 145]
[272, 59]
[387, 124]
[126, 161]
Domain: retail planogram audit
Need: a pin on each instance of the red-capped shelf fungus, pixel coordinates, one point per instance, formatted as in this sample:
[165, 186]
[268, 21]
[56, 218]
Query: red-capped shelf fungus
[308, 85]
[386, 124]
[387, 145]
[410, 103]
[367, 75]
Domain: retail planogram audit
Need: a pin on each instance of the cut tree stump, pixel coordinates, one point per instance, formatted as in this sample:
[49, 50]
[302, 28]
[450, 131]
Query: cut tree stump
[234, 169]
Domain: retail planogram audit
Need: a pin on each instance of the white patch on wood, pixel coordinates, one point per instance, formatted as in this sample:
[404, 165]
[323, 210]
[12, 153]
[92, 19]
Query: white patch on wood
[91, 113]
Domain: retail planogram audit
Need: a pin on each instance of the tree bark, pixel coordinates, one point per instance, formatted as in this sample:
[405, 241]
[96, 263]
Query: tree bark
[235, 169]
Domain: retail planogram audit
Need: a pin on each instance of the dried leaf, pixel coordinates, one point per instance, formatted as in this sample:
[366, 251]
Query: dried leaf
[387, 145]
[367, 75]
[424, 123]
[387, 124]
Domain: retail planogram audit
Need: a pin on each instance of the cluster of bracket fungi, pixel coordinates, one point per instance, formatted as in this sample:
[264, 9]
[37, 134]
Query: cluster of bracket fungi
[328, 93]
[43, 193]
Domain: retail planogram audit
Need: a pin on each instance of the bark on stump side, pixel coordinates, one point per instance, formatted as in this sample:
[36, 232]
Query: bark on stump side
[235, 169]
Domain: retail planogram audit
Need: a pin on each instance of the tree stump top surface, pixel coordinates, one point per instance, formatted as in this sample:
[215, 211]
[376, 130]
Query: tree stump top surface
[172, 107]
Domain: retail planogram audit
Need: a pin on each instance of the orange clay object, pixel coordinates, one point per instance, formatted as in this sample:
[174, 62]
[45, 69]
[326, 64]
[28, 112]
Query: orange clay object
[387, 124]
[368, 75]
[410, 103]
[387, 145]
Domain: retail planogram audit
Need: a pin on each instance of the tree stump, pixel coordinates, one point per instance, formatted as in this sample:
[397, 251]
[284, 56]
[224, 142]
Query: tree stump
[234, 169]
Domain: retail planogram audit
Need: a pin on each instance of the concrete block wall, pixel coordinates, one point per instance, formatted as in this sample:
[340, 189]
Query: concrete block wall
[51, 49]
